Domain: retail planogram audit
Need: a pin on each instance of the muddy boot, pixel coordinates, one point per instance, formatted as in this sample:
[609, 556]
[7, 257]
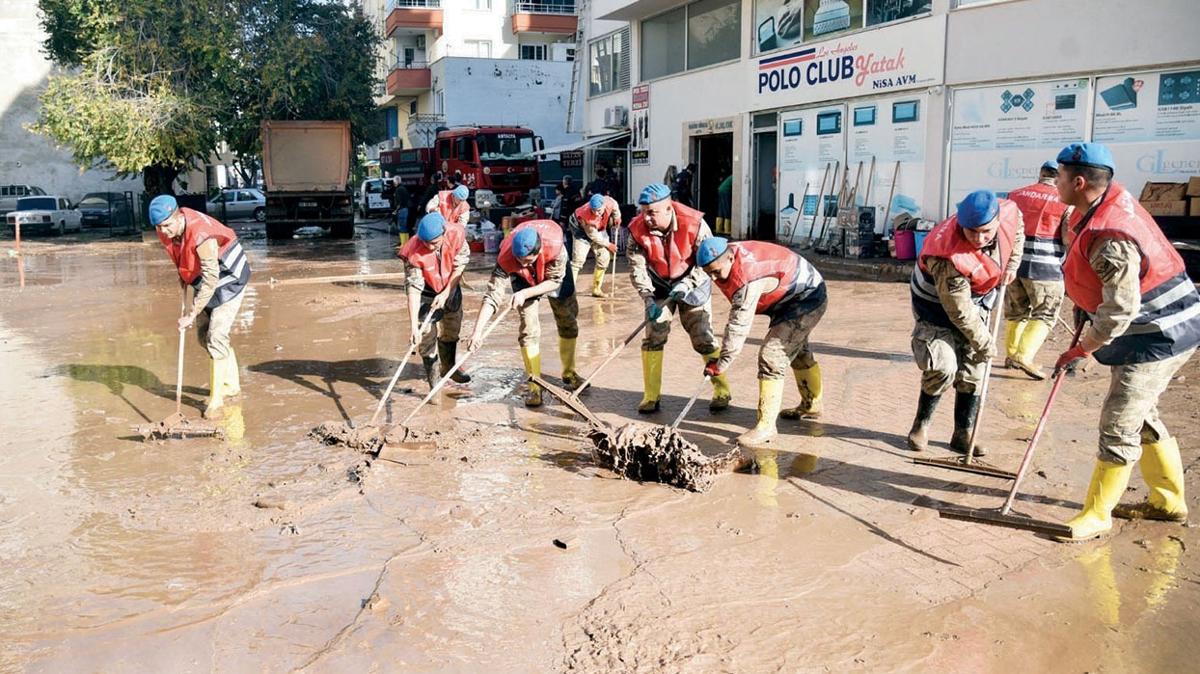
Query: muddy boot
[917, 439]
[722, 394]
[1012, 342]
[1032, 338]
[770, 398]
[532, 355]
[652, 362]
[431, 372]
[218, 369]
[966, 408]
[1162, 468]
[1109, 481]
[808, 381]
[233, 379]
[448, 354]
[566, 355]
[598, 282]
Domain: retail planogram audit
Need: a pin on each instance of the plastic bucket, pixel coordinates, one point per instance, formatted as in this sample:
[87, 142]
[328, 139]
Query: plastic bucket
[905, 246]
[491, 241]
[918, 241]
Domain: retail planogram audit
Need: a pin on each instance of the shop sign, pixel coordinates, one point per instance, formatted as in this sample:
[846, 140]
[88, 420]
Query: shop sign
[639, 126]
[894, 58]
[572, 159]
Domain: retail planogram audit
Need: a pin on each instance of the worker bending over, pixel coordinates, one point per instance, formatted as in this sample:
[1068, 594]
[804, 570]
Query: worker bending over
[434, 263]
[954, 287]
[452, 204]
[534, 261]
[662, 246]
[590, 224]
[209, 258]
[1031, 303]
[765, 278]
[1145, 324]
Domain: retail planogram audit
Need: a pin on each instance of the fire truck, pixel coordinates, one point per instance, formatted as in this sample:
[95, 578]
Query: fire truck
[497, 163]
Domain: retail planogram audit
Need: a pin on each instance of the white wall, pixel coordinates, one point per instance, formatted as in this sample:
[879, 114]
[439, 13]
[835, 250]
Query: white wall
[27, 158]
[507, 91]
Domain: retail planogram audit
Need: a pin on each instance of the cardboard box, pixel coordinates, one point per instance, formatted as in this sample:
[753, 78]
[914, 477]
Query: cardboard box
[1165, 207]
[1193, 188]
[1164, 192]
[1194, 208]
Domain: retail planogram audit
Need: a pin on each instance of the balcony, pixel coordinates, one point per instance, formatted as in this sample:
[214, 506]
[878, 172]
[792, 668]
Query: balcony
[548, 16]
[408, 16]
[408, 79]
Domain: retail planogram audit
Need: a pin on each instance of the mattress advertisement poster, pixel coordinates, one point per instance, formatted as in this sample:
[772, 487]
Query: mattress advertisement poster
[812, 151]
[1151, 122]
[1001, 135]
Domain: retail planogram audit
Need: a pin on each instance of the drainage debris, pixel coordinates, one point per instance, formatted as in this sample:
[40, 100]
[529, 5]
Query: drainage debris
[651, 453]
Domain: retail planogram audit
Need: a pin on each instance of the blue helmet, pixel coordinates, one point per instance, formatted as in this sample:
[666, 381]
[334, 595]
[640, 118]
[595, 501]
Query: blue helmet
[1087, 154]
[525, 241]
[431, 227]
[596, 202]
[461, 192]
[711, 249]
[654, 192]
[978, 208]
[161, 208]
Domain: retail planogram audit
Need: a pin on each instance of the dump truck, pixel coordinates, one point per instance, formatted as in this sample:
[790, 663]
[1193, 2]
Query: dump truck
[306, 165]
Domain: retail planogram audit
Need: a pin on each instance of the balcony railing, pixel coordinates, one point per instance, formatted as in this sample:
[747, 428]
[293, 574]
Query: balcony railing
[521, 7]
[401, 64]
[414, 4]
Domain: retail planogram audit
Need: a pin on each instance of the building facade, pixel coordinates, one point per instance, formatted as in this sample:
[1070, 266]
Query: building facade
[904, 105]
[463, 62]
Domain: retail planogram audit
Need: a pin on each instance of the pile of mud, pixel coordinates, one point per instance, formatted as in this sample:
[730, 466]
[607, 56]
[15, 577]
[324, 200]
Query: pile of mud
[651, 453]
[370, 438]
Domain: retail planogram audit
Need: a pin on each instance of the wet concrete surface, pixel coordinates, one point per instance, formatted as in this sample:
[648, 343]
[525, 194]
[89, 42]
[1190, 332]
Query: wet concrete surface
[269, 551]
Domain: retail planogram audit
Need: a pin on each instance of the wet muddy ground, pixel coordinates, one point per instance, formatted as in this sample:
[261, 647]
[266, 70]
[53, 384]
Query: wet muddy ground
[270, 551]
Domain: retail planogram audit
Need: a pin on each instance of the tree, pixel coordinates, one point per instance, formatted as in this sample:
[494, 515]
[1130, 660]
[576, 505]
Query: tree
[153, 87]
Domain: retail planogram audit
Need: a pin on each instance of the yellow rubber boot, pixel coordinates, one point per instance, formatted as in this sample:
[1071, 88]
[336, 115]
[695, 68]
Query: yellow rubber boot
[770, 399]
[216, 388]
[1162, 468]
[1108, 483]
[566, 354]
[1030, 341]
[652, 362]
[808, 381]
[532, 356]
[233, 377]
[722, 395]
[403, 238]
[1012, 340]
[598, 282]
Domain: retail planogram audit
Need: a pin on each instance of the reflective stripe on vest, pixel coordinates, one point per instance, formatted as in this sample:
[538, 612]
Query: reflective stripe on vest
[1042, 211]
[979, 268]
[669, 257]
[436, 268]
[797, 279]
[1169, 321]
[234, 272]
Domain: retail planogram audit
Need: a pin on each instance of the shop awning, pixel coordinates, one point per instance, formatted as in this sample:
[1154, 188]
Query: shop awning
[586, 142]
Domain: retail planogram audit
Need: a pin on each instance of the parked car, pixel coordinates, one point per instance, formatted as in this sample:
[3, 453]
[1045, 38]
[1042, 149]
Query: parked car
[10, 193]
[370, 198]
[234, 204]
[44, 214]
[105, 209]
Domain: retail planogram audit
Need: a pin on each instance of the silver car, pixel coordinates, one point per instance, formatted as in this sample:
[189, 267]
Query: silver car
[237, 204]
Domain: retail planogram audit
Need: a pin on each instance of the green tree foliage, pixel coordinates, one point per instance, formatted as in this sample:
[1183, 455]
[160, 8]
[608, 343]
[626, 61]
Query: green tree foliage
[152, 87]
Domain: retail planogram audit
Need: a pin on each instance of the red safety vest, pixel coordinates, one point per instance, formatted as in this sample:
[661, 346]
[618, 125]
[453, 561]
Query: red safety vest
[1041, 209]
[584, 215]
[551, 236]
[947, 241]
[451, 213]
[671, 256]
[754, 260]
[437, 267]
[198, 229]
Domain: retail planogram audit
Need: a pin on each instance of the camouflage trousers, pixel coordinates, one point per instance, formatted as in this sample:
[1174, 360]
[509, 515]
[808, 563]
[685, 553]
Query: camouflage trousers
[942, 355]
[1129, 416]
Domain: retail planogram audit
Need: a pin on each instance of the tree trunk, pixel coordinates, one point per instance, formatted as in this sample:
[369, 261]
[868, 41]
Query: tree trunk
[159, 179]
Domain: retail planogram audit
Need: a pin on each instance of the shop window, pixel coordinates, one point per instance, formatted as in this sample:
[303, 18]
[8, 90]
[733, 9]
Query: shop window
[829, 123]
[885, 11]
[609, 63]
[864, 116]
[696, 35]
[905, 111]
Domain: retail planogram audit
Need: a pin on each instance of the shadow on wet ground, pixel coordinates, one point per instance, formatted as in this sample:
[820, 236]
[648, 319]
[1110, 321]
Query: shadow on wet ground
[116, 377]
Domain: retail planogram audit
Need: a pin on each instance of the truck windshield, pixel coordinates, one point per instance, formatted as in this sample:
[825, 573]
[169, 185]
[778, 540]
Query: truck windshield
[505, 146]
[36, 204]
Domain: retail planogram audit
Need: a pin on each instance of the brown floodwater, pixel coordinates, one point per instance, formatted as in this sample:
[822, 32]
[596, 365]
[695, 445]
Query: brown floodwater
[270, 551]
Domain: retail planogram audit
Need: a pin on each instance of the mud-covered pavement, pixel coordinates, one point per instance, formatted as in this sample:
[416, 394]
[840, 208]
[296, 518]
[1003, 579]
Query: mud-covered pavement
[269, 551]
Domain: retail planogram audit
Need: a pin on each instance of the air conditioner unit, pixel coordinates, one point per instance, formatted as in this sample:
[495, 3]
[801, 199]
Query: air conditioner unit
[616, 117]
[420, 42]
[562, 51]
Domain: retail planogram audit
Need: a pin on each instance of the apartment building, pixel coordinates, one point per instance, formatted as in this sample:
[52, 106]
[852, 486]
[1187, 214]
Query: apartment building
[459, 62]
[910, 103]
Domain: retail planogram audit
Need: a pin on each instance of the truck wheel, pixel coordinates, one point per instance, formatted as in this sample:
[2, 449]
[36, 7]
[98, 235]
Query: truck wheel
[260, 214]
[342, 230]
[278, 231]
